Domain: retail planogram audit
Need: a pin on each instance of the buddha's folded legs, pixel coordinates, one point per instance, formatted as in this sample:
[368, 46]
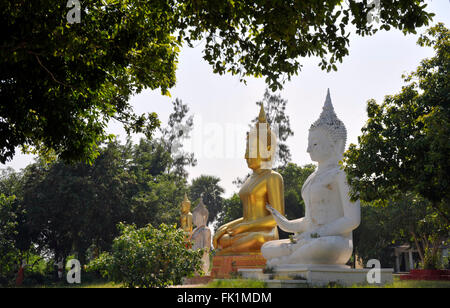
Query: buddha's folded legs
[325, 250]
[275, 250]
[248, 242]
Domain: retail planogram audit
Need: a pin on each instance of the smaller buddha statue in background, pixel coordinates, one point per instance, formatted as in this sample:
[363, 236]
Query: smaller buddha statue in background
[201, 236]
[186, 216]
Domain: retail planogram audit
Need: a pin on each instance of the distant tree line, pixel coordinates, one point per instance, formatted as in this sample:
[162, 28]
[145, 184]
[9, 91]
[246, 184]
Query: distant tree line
[51, 210]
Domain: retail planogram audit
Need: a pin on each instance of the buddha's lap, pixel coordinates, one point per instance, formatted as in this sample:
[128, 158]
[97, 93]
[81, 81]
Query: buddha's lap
[262, 235]
[312, 248]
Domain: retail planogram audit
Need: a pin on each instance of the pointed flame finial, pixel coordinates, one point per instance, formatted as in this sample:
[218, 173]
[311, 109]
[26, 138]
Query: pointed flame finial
[328, 103]
[262, 115]
[186, 200]
[329, 120]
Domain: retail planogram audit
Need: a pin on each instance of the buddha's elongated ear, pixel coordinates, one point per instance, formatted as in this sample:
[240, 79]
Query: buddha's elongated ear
[339, 146]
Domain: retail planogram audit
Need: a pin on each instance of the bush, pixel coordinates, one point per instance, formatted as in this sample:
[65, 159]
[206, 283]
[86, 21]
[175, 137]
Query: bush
[148, 257]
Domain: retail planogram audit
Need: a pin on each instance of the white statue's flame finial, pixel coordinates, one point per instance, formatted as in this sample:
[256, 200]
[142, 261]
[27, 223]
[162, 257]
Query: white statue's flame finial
[328, 104]
[330, 122]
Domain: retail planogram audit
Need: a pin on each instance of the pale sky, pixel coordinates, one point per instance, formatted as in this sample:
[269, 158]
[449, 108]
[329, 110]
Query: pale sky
[223, 107]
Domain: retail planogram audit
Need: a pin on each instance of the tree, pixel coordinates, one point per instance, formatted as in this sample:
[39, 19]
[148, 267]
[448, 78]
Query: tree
[159, 166]
[405, 220]
[148, 257]
[71, 207]
[376, 235]
[231, 210]
[160, 201]
[207, 187]
[267, 38]
[12, 185]
[61, 82]
[294, 177]
[178, 128]
[11, 182]
[9, 254]
[106, 201]
[404, 145]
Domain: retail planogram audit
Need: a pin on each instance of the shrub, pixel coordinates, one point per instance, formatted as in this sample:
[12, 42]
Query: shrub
[148, 257]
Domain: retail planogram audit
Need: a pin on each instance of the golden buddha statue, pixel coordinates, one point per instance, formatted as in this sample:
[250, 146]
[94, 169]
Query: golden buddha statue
[186, 216]
[247, 234]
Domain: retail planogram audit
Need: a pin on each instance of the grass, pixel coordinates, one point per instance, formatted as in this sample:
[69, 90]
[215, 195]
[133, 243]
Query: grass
[249, 283]
[87, 285]
[399, 284]
[236, 283]
[100, 285]
[244, 283]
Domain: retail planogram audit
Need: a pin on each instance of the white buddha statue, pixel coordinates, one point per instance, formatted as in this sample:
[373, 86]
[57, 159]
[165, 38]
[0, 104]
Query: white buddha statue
[201, 236]
[324, 235]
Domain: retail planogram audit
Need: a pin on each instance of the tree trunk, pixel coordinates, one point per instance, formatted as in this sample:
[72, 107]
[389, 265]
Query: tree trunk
[419, 249]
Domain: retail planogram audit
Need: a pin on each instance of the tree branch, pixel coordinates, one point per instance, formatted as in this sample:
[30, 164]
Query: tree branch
[48, 71]
[435, 206]
[419, 249]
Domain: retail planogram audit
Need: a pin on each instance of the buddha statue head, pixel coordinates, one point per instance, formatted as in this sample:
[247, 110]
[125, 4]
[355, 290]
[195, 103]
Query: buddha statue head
[185, 205]
[261, 144]
[200, 214]
[327, 135]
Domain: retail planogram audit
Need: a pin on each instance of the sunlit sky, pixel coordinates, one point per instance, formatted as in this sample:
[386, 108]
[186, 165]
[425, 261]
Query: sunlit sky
[223, 107]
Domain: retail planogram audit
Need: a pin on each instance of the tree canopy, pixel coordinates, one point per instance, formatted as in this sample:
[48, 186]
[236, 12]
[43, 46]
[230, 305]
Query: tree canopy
[405, 143]
[8, 232]
[402, 220]
[61, 82]
[294, 176]
[207, 187]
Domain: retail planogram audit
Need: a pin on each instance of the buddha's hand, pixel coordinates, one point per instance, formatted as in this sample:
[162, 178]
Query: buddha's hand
[271, 209]
[240, 228]
[277, 215]
[224, 229]
[221, 229]
[219, 233]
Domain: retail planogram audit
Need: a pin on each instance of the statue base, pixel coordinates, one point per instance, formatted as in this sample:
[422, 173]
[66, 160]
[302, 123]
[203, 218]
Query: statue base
[229, 266]
[297, 275]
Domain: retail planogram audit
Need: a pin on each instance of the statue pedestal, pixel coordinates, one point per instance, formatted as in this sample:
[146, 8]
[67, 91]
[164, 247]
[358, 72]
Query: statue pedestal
[228, 266]
[295, 275]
